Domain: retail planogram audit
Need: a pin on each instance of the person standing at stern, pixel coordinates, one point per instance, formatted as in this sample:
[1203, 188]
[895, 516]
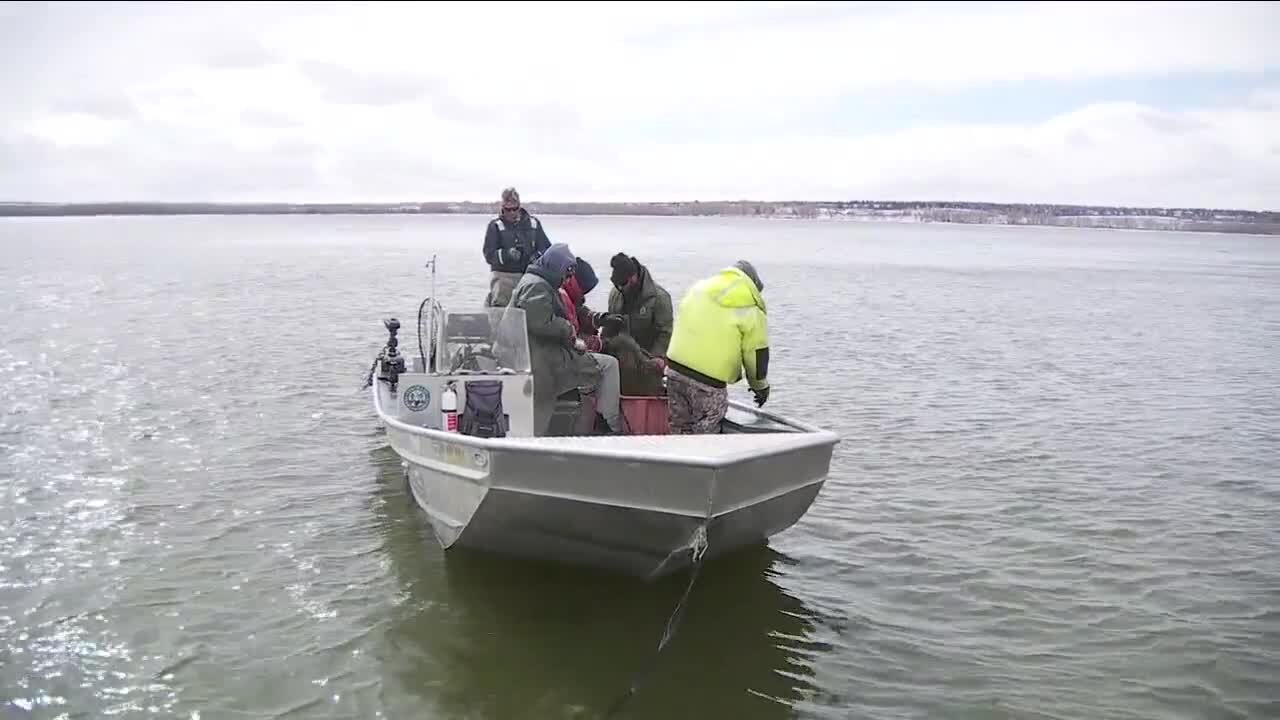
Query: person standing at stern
[512, 241]
[721, 334]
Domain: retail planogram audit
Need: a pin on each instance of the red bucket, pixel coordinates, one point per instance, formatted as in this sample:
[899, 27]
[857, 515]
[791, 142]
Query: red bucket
[646, 415]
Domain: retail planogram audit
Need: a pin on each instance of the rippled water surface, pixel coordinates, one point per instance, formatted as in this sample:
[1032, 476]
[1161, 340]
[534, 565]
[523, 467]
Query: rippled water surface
[1058, 493]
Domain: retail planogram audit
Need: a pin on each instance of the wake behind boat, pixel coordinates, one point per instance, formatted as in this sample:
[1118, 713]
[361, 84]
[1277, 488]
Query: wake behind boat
[460, 415]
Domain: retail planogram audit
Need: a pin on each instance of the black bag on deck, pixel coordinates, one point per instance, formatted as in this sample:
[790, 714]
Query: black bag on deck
[483, 415]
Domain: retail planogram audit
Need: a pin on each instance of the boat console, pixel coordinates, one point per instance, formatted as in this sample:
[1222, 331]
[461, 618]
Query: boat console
[484, 354]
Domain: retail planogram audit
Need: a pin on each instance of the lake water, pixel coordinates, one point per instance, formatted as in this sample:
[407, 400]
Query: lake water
[1057, 495]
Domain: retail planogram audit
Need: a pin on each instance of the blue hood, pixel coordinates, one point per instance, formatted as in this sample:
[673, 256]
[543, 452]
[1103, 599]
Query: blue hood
[554, 264]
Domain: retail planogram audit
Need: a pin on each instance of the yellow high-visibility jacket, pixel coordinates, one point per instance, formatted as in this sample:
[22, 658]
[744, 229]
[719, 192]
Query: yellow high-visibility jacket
[721, 329]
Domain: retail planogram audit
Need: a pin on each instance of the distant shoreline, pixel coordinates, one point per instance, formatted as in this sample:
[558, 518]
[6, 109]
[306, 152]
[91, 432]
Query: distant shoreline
[969, 213]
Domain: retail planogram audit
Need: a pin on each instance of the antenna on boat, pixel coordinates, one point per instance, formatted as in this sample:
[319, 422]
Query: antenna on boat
[432, 264]
[433, 319]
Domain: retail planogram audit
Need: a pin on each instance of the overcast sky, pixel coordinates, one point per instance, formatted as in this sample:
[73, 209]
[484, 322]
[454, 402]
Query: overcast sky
[1115, 103]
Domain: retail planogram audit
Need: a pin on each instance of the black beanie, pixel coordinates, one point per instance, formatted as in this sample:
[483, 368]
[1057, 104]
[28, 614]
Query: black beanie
[623, 268]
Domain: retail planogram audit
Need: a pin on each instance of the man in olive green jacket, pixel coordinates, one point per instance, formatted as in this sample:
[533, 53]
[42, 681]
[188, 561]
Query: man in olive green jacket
[642, 308]
[645, 304]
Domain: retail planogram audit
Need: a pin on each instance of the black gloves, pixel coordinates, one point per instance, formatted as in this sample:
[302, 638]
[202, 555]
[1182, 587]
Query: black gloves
[762, 396]
[612, 324]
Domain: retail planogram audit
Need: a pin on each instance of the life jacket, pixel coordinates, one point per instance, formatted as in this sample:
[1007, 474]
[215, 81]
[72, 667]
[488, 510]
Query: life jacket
[568, 307]
[513, 235]
[575, 312]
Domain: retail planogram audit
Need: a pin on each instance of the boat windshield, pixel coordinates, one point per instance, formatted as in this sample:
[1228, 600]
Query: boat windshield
[492, 340]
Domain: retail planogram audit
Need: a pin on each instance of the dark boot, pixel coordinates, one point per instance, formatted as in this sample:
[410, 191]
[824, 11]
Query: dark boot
[602, 427]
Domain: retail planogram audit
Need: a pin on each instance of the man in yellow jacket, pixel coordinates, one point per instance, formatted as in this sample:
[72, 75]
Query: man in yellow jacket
[721, 334]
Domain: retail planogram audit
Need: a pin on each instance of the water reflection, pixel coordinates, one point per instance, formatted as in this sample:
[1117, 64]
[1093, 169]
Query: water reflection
[481, 636]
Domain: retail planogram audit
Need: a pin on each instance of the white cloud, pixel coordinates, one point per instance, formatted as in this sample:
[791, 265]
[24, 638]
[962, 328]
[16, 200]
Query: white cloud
[303, 101]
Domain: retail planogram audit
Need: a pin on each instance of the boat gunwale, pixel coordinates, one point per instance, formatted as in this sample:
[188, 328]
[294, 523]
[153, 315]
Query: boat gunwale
[810, 436]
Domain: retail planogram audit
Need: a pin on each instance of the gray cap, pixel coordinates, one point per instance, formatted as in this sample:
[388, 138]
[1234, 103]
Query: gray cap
[750, 270]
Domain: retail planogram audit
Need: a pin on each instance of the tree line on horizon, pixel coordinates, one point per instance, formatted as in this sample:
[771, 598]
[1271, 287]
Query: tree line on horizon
[924, 211]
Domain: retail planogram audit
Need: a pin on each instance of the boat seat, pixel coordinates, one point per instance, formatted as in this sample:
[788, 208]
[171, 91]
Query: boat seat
[573, 414]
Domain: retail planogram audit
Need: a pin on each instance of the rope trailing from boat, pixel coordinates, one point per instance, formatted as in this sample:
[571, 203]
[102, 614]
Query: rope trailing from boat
[368, 378]
[697, 545]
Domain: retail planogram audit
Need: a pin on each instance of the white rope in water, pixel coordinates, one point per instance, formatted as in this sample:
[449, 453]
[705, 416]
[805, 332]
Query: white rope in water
[697, 546]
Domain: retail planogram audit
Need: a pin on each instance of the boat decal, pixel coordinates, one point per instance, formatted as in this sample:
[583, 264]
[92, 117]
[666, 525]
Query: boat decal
[417, 398]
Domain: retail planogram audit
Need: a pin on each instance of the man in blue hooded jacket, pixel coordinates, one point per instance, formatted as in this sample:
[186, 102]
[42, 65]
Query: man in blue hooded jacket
[558, 357]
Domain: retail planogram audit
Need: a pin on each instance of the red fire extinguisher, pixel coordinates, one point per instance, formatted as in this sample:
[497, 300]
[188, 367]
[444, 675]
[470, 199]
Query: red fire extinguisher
[449, 409]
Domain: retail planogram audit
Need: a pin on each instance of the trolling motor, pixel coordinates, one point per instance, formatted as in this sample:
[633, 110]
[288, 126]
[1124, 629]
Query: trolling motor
[390, 364]
[390, 361]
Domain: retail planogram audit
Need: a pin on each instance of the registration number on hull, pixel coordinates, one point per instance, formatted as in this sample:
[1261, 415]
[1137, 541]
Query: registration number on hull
[461, 456]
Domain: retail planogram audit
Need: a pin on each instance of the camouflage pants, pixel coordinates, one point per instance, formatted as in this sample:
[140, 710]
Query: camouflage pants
[695, 409]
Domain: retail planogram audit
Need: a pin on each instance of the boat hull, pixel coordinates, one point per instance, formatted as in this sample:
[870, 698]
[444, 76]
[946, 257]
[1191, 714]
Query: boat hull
[632, 516]
[627, 504]
[637, 542]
